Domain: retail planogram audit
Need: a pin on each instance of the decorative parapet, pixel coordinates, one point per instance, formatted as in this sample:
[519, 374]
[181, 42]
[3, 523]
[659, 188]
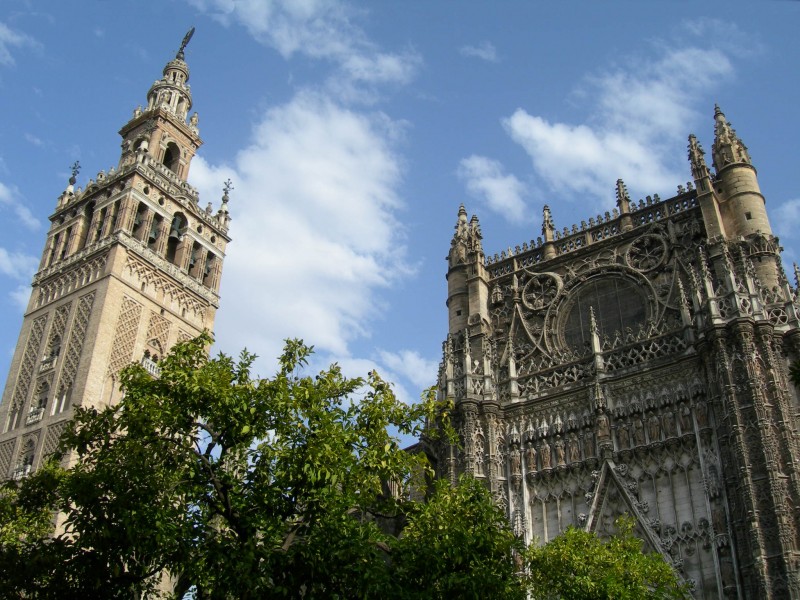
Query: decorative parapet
[597, 229]
[141, 249]
[181, 191]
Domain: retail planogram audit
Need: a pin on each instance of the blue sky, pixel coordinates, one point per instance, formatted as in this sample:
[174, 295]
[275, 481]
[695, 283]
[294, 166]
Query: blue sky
[353, 131]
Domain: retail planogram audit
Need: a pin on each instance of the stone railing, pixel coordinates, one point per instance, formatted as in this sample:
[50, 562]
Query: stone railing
[151, 367]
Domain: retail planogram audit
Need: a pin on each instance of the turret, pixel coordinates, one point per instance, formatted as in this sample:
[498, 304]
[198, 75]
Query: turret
[736, 184]
[467, 283]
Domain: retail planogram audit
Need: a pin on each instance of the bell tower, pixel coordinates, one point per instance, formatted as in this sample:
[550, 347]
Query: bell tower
[131, 265]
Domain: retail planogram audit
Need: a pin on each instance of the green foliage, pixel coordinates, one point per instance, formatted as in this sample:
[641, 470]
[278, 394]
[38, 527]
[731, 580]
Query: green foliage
[223, 481]
[579, 565]
[458, 545]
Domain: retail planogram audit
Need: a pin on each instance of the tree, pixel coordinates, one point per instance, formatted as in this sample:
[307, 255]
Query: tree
[578, 565]
[459, 544]
[227, 482]
[211, 482]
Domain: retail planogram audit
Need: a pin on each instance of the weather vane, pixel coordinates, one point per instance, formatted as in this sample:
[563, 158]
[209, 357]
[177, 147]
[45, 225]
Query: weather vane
[227, 186]
[76, 168]
[185, 41]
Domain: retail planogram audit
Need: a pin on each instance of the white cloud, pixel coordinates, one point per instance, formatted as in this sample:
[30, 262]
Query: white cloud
[485, 51]
[412, 366]
[638, 113]
[17, 265]
[10, 197]
[12, 39]
[32, 139]
[314, 227]
[20, 296]
[786, 219]
[319, 29]
[486, 180]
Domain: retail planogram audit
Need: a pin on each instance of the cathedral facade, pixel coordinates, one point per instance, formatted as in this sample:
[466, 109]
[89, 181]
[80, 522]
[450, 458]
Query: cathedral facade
[131, 265]
[637, 364]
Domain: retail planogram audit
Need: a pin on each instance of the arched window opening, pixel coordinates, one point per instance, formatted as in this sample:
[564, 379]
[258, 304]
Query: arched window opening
[208, 271]
[140, 221]
[65, 246]
[140, 144]
[617, 303]
[25, 462]
[155, 232]
[39, 402]
[54, 349]
[86, 221]
[56, 241]
[112, 220]
[172, 156]
[176, 231]
[99, 222]
[196, 260]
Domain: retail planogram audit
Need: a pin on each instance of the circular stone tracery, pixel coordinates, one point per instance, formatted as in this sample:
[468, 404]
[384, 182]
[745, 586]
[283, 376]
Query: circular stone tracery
[646, 253]
[540, 291]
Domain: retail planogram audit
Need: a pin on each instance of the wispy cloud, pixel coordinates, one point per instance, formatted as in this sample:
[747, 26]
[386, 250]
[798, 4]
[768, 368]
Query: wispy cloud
[320, 29]
[637, 114]
[32, 139]
[485, 51]
[17, 265]
[20, 295]
[412, 366]
[11, 199]
[487, 182]
[316, 235]
[786, 223]
[10, 39]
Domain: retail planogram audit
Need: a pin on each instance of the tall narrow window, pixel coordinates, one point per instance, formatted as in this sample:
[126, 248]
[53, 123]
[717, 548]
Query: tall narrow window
[155, 231]
[140, 222]
[176, 231]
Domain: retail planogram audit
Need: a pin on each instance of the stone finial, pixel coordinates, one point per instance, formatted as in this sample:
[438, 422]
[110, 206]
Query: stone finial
[548, 228]
[796, 276]
[623, 199]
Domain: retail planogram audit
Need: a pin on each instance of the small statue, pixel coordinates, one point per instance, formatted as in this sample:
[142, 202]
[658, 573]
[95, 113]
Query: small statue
[560, 451]
[545, 452]
[530, 458]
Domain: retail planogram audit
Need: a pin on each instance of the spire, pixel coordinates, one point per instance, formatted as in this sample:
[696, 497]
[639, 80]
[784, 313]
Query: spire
[623, 199]
[727, 148]
[697, 159]
[548, 228]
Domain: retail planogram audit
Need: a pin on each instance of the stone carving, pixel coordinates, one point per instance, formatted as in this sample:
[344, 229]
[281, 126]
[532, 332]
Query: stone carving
[530, 458]
[544, 452]
[25, 375]
[559, 446]
[127, 325]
